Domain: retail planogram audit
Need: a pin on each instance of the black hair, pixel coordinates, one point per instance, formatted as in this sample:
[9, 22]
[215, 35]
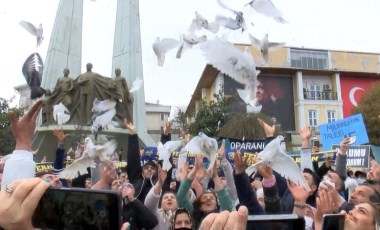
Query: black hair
[316, 179]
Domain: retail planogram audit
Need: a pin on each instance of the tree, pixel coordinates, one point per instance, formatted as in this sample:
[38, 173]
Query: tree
[7, 143]
[210, 116]
[369, 107]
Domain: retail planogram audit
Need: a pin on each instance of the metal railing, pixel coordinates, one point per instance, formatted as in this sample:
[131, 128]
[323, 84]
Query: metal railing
[323, 95]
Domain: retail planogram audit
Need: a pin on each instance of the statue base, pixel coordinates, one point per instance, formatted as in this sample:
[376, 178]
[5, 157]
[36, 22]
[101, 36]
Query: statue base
[47, 143]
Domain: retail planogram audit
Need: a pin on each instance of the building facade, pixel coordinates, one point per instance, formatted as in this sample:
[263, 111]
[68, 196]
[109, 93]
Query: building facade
[304, 87]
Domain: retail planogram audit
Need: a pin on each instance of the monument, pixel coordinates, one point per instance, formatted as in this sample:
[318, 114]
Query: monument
[78, 91]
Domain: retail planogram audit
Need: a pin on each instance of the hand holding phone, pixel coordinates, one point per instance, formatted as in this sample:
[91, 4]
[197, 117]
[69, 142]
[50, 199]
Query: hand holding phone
[333, 222]
[77, 208]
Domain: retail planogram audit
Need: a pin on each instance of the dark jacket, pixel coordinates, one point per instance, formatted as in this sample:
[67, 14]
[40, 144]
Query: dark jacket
[134, 170]
[138, 215]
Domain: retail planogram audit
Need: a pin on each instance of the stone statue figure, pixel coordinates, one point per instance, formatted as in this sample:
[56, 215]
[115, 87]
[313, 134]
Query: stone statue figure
[122, 96]
[82, 91]
[64, 87]
[85, 82]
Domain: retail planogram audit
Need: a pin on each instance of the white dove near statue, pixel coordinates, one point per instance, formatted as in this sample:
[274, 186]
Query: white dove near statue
[165, 151]
[91, 152]
[202, 144]
[104, 111]
[61, 114]
[34, 30]
[136, 85]
[274, 156]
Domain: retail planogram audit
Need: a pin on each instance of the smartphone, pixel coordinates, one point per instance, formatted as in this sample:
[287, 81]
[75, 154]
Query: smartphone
[78, 208]
[282, 222]
[333, 222]
[352, 140]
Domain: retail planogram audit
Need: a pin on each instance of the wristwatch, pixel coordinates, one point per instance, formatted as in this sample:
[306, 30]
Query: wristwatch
[300, 206]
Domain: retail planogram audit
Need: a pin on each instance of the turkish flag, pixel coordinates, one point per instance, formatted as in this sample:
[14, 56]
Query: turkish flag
[352, 90]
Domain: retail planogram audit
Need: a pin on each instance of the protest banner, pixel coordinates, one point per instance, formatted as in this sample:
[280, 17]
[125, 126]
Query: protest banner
[334, 132]
[357, 155]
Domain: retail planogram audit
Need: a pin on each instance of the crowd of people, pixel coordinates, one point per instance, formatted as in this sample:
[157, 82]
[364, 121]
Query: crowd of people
[191, 196]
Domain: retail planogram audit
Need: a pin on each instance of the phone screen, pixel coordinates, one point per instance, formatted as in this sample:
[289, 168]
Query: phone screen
[78, 208]
[282, 222]
[333, 222]
[316, 143]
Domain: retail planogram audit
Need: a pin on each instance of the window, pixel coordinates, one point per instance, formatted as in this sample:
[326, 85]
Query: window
[315, 92]
[162, 116]
[331, 115]
[312, 118]
[308, 59]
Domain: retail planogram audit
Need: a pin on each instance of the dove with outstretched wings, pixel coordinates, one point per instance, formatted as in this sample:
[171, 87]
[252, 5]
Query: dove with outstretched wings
[267, 8]
[104, 111]
[274, 156]
[162, 46]
[230, 60]
[231, 23]
[202, 144]
[264, 45]
[165, 152]
[32, 70]
[91, 152]
[200, 22]
[35, 31]
[61, 114]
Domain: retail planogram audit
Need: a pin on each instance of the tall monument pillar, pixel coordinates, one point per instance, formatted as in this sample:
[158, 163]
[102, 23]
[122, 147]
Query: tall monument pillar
[65, 51]
[65, 47]
[127, 56]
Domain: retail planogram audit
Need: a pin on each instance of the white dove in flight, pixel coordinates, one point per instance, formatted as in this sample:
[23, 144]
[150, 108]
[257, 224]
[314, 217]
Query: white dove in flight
[267, 8]
[264, 45]
[200, 22]
[136, 85]
[162, 46]
[91, 152]
[165, 151]
[37, 32]
[202, 144]
[230, 60]
[231, 23]
[188, 41]
[104, 111]
[61, 114]
[274, 156]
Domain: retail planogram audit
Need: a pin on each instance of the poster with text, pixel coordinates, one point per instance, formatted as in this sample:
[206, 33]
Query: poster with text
[334, 132]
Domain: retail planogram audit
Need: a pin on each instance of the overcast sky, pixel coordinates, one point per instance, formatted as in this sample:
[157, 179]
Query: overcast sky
[324, 24]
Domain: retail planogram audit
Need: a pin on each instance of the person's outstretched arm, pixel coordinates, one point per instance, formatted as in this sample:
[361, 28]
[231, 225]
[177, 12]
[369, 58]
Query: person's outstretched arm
[22, 157]
[133, 157]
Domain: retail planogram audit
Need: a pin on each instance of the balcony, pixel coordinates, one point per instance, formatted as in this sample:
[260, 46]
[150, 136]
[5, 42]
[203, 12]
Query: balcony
[320, 95]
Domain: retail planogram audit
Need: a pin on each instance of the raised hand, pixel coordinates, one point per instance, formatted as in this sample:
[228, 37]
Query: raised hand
[240, 163]
[305, 134]
[236, 220]
[23, 129]
[167, 127]
[60, 136]
[343, 145]
[299, 193]
[162, 174]
[269, 130]
[266, 171]
[131, 128]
